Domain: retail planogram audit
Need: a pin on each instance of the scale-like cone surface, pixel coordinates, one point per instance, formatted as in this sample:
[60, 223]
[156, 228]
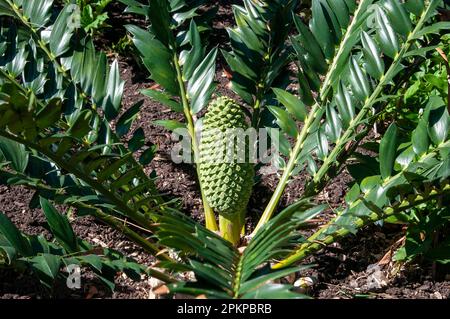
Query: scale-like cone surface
[225, 172]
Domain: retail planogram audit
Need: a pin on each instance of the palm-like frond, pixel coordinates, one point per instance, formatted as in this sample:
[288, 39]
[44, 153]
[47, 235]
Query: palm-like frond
[221, 270]
[47, 259]
[260, 53]
[389, 42]
[52, 88]
[408, 174]
[359, 65]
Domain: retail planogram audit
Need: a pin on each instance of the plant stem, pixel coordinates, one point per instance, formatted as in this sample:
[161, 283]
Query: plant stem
[210, 219]
[256, 113]
[161, 276]
[268, 212]
[230, 227]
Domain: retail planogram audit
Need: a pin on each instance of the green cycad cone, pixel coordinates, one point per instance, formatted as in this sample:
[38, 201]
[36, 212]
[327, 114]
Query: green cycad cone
[225, 171]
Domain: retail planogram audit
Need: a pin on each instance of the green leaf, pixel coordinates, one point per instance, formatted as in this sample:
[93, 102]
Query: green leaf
[284, 146]
[148, 155]
[114, 92]
[341, 11]
[420, 138]
[351, 5]
[82, 65]
[50, 114]
[399, 16]
[134, 6]
[5, 9]
[438, 124]
[7, 253]
[414, 6]
[274, 291]
[386, 34]
[412, 90]
[159, 14]
[311, 164]
[359, 82]
[14, 236]
[322, 145]
[126, 120]
[304, 90]
[253, 45]
[180, 17]
[352, 195]
[137, 141]
[39, 12]
[14, 153]
[292, 103]
[62, 31]
[333, 126]
[373, 62]
[81, 124]
[98, 81]
[320, 28]
[284, 121]
[434, 28]
[307, 63]
[94, 262]
[302, 215]
[200, 86]
[255, 283]
[163, 98]
[157, 58]
[196, 54]
[421, 51]
[370, 183]
[170, 125]
[113, 167]
[345, 104]
[312, 46]
[59, 226]
[333, 21]
[243, 87]
[405, 157]
[210, 273]
[388, 148]
[239, 66]
[46, 267]
[366, 166]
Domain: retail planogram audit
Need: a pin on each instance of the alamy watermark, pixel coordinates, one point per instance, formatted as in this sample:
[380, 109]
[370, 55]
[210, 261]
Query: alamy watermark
[74, 277]
[74, 20]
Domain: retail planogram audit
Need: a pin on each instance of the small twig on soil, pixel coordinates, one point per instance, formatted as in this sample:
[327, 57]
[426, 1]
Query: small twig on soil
[126, 222]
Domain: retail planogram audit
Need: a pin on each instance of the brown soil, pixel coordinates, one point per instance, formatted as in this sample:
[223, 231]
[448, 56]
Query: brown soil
[342, 270]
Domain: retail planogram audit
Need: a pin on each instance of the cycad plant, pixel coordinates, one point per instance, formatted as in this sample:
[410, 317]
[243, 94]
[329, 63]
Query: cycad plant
[59, 98]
